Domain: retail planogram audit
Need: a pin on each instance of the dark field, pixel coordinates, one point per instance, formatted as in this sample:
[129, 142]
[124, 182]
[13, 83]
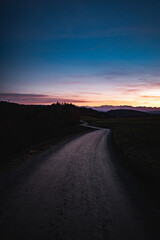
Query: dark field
[138, 140]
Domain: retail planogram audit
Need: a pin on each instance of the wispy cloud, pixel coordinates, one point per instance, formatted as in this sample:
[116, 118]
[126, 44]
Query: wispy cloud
[37, 98]
[21, 95]
[153, 97]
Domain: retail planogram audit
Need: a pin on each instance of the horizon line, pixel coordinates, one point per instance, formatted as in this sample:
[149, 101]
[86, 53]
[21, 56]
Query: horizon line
[61, 102]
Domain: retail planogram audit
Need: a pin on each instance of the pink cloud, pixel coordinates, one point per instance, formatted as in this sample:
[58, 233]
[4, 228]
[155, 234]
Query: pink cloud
[37, 98]
[153, 97]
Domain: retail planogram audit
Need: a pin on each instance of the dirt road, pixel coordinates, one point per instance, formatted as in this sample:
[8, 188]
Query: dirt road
[77, 190]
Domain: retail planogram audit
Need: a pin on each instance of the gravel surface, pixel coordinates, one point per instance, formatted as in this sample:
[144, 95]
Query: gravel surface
[76, 190]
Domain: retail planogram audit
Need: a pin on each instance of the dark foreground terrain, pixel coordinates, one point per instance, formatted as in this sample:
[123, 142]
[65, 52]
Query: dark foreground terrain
[76, 190]
[24, 126]
[101, 185]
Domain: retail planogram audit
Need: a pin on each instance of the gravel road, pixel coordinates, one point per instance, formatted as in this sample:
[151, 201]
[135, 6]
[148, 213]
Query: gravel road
[76, 190]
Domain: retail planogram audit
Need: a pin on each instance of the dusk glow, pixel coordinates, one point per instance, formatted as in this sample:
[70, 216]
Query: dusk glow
[84, 52]
[80, 119]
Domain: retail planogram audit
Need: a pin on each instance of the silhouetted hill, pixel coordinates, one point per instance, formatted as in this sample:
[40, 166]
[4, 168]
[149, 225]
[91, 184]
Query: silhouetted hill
[85, 111]
[119, 113]
[123, 113]
[155, 112]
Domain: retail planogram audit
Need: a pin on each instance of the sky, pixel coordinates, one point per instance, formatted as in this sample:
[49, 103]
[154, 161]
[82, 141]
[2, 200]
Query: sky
[85, 52]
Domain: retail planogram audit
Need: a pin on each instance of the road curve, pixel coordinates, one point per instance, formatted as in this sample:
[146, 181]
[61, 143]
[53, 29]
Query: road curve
[72, 191]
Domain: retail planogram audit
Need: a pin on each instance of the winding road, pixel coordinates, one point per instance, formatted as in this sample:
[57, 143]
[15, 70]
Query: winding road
[75, 190]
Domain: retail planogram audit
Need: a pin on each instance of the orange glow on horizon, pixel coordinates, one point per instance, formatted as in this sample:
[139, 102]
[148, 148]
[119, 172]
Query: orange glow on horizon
[147, 101]
[92, 95]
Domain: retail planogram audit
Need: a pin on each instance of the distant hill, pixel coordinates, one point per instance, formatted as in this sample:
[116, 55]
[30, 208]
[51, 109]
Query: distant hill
[154, 112]
[124, 113]
[106, 108]
[119, 113]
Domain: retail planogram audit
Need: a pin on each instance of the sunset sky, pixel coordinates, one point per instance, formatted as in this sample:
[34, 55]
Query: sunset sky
[88, 52]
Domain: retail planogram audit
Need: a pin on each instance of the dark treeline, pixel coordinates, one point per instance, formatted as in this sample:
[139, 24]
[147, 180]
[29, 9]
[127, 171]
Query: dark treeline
[22, 126]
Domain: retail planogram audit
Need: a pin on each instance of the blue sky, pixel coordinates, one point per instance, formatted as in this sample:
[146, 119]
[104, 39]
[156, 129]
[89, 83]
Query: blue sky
[85, 52]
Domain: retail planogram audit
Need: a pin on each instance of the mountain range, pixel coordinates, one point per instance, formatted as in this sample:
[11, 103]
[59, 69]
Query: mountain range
[106, 108]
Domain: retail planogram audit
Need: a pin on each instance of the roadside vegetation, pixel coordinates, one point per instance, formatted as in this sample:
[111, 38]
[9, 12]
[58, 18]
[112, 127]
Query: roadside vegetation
[138, 141]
